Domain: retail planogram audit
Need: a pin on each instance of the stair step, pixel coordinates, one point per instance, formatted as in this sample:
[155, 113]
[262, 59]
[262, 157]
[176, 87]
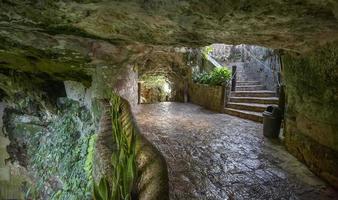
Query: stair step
[253, 116]
[258, 93]
[243, 83]
[248, 106]
[250, 88]
[261, 100]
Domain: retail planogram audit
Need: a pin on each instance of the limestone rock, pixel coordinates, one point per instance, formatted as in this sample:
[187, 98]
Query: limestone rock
[297, 25]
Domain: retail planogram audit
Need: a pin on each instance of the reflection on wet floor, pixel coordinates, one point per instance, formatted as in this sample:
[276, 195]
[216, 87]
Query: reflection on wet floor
[217, 156]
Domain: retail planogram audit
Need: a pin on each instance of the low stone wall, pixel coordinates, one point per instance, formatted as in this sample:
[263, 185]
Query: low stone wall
[207, 96]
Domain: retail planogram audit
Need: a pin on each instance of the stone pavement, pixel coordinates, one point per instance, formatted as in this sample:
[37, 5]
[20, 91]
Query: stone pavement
[218, 156]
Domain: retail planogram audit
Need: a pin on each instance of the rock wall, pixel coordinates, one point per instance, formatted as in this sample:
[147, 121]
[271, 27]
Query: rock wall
[163, 75]
[311, 125]
[161, 90]
[10, 181]
[280, 24]
[122, 80]
[210, 97]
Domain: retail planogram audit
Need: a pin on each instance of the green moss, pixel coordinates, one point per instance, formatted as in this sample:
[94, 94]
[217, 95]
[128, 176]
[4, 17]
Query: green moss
[311, 82]
[34, 62]
[66, 149]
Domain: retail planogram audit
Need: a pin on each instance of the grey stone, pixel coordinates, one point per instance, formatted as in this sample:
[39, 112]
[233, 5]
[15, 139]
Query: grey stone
[217, 156]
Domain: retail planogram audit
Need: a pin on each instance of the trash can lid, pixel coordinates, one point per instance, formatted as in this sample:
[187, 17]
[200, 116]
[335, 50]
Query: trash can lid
[272, 111]
[269, 109]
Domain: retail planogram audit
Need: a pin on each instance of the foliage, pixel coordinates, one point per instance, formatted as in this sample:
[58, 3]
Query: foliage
[102, 191]
[154, 80]
[218, 76]
[90, 158]
[123, 160]
[58, 155]
[202, 78]
[207, 50]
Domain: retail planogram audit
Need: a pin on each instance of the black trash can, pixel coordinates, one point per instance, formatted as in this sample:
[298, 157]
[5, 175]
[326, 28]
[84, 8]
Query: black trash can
[272, 121]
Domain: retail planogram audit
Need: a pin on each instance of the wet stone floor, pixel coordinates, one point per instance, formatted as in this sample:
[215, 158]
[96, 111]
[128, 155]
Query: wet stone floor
[217, 156]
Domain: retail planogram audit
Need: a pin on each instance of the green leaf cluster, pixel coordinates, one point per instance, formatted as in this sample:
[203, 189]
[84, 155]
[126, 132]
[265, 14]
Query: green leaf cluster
[207, 50]
[123, 160]
[218, 76]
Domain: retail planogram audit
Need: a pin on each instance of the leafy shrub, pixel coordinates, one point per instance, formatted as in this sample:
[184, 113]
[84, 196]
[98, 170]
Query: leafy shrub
[202, 78]
[218, 76]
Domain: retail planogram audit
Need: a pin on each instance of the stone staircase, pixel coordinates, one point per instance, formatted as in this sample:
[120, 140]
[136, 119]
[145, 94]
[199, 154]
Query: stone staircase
[249, 100]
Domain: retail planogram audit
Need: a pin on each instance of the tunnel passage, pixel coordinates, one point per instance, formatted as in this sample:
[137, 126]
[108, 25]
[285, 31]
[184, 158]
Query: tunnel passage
[99, 43]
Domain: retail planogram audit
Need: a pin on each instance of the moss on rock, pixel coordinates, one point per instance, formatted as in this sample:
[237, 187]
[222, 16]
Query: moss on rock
[312, 109]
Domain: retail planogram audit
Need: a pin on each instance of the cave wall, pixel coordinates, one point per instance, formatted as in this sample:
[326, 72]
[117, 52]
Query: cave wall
[120, 79]
[293, 25]
[163, 75]
[311, 125]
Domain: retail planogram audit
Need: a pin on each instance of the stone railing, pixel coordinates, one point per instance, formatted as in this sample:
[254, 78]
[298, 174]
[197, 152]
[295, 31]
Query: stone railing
[208, 96]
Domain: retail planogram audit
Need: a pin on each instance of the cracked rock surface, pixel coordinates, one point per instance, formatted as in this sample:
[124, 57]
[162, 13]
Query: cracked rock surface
[217, 156]
[298, 25]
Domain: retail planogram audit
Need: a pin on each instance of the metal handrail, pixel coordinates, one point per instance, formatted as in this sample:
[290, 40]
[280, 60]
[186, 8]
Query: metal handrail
[250, 54]
[233, 76]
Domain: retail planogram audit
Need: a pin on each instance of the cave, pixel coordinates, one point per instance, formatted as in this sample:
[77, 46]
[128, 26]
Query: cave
[168, 99]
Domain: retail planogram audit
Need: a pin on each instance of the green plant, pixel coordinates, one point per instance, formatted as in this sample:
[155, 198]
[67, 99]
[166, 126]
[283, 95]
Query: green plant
[207, 50]
[102, 191]
[123, 160]
[218, 76]
[202, 78]
[90, 157]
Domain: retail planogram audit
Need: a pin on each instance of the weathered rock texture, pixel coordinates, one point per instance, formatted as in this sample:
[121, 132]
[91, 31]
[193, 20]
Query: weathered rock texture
[163, 75]
[312, 110]
[297, 25]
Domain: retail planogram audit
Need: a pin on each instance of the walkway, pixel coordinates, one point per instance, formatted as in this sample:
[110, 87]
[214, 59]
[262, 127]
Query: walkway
[217, 156]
